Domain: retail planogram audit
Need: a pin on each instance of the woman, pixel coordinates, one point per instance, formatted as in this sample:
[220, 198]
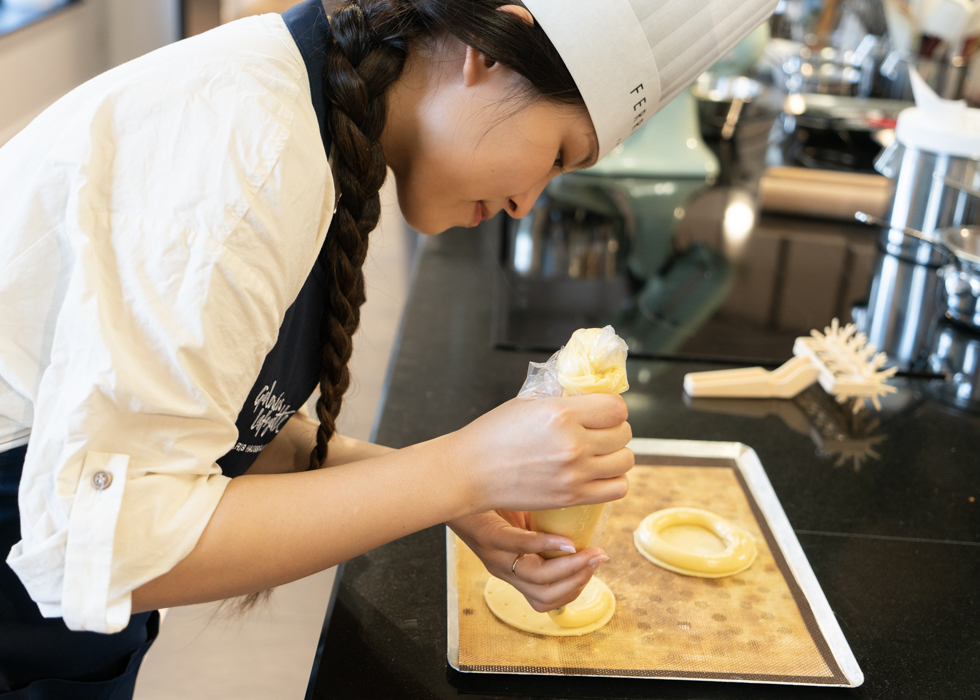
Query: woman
[182, 266]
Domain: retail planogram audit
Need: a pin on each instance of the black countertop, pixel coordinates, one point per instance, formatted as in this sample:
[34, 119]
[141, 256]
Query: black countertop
[885, 508]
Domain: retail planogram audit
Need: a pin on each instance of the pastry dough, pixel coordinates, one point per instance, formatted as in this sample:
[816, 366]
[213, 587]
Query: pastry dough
[597, 604]
[699, 543]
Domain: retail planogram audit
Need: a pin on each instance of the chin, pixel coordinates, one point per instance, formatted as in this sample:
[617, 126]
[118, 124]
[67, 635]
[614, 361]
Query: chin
[421, 223]
[431, 230]
[426, 228]
[427, 220]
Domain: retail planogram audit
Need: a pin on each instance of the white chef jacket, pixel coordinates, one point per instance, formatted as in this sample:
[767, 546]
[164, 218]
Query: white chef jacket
[155, 225]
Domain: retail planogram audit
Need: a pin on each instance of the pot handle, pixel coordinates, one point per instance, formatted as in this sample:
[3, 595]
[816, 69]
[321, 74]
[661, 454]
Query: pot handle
[873, 220]
[957, 185]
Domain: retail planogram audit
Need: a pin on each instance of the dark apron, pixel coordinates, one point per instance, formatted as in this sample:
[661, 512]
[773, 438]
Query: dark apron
[41, 659]
[291, 371]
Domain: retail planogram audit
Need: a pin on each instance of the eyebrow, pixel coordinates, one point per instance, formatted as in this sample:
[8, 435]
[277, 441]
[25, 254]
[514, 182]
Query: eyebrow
[592, 156]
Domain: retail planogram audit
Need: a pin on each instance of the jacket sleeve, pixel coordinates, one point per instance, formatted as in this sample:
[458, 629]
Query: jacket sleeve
[181, 270]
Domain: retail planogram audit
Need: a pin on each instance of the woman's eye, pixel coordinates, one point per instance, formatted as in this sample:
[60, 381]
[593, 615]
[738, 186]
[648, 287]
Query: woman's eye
[560, 161]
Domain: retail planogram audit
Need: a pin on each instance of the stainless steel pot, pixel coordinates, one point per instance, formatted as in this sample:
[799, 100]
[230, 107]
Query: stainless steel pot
[901, 310]
[923, 199]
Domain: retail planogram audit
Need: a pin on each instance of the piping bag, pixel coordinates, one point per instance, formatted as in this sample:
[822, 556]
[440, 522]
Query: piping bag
[593, 362]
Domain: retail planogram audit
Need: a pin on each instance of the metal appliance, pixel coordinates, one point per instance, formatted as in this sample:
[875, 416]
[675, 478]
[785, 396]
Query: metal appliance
[934, 140]
[955, 352]
[961, 281]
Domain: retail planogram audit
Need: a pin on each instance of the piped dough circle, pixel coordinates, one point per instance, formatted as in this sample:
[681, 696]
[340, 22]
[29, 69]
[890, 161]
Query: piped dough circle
[689, 552]
[510, 606]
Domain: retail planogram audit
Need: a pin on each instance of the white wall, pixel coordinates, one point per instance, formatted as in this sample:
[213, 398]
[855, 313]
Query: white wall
[42, 62]
[139, 26]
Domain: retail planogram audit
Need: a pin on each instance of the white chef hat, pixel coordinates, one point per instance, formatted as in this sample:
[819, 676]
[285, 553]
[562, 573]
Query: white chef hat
[631, 57]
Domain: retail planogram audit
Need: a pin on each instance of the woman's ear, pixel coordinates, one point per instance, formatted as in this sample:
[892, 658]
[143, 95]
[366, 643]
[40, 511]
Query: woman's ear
[518, 11]
[476, 66]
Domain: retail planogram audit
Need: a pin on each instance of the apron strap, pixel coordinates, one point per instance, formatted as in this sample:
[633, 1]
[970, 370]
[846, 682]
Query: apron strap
[310, 27]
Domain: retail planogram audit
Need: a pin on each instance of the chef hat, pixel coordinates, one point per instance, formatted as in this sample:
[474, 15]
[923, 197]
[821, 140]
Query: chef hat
[631, 57]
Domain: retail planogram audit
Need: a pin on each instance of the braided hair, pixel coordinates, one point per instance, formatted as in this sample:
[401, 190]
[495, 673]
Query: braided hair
[372, 39]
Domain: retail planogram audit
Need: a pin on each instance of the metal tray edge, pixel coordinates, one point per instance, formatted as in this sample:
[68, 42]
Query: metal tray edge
[755, 477]
[452, 601]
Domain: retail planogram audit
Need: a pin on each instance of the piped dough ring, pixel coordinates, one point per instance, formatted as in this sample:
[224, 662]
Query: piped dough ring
[512, 608]
[740, 550]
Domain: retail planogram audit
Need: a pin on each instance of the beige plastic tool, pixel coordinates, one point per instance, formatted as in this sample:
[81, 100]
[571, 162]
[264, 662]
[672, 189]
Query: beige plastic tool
[840, 358]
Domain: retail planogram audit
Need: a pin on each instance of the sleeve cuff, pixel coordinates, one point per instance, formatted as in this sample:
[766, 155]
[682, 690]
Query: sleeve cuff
[85, 603]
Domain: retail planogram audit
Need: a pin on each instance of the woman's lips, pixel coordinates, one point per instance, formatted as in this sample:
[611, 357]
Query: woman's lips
[480, 213]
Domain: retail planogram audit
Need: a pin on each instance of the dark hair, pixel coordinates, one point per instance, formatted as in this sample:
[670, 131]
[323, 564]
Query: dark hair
[372, 39]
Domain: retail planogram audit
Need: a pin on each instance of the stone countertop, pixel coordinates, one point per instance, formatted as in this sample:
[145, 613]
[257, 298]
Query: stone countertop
[893, 535]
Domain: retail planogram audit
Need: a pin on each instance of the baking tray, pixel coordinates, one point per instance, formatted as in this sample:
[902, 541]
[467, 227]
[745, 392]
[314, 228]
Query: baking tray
[769, 624]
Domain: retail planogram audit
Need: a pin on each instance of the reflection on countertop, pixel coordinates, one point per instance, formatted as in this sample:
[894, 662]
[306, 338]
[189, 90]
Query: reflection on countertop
[848, 438]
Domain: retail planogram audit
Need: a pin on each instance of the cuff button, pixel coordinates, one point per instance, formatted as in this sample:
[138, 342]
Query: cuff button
[101, 480]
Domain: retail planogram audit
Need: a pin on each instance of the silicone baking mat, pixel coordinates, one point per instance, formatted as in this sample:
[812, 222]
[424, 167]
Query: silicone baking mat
[769, 624]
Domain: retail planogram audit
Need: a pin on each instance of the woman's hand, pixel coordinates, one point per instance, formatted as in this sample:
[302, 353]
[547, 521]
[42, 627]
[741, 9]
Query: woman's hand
[509, 551]
[545, 453]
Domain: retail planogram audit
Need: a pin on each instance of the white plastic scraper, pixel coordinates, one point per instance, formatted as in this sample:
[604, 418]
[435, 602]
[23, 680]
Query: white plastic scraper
[839, 358]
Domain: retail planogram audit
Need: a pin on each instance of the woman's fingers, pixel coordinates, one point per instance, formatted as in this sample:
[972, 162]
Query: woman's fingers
[517, 518]
[612, 464]
[609, 440]
[606, 490]
[537, 570]
[510, 553]
[597, 411]
[517, 539]
[560, 591]
[492, 534]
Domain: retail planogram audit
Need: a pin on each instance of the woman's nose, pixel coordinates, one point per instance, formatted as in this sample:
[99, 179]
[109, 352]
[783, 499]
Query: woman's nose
[519, 205]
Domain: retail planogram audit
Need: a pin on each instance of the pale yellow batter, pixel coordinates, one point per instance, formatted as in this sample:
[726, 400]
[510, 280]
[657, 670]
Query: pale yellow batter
[593, 362]
[580, 524]
[694, 542]
[587, 613]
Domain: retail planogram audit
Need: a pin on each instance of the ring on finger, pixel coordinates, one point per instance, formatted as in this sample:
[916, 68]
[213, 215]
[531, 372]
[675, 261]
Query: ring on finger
[513, 567]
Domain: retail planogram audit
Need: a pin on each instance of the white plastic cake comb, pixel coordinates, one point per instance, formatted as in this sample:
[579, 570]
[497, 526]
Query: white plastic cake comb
[841, 359]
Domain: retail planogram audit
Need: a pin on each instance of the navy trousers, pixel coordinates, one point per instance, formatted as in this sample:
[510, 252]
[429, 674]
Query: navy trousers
[41, 659]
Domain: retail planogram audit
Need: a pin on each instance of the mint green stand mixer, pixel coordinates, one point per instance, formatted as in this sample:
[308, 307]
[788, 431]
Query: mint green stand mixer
[648, 180]
[651, 177]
